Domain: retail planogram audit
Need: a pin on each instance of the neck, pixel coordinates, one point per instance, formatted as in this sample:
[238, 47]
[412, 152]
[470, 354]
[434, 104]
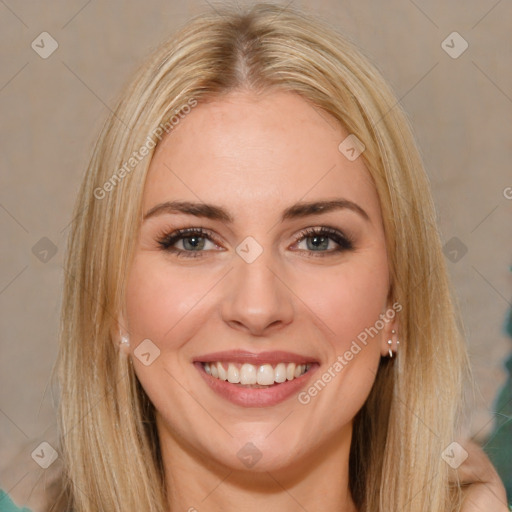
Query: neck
[316, 481]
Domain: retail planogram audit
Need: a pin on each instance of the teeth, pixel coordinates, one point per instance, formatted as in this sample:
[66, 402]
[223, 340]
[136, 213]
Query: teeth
[250, 375]
[290, 371]
[280, 372]
[223, 374]
[265, 375]
[233, 374]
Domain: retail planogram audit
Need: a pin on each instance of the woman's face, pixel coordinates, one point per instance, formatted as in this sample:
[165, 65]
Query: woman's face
[254, 292]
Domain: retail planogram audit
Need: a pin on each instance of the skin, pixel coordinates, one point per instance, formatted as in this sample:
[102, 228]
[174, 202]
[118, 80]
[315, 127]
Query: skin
[484, 490]
[256, 155]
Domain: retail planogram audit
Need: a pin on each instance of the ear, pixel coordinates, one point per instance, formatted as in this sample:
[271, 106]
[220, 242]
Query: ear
[390, 334]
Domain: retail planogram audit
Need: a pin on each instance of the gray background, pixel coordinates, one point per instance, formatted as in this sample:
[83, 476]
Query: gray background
[52, 110]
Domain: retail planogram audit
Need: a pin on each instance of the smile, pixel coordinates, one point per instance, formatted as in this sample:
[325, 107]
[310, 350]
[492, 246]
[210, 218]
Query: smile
[248, 379]
[256, 376]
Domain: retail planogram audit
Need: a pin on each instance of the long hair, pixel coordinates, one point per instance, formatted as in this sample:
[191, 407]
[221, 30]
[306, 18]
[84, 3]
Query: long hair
[109, 440]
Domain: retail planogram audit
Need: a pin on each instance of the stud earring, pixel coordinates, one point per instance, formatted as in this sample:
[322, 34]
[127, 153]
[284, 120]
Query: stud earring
[390, 342]
[125, 342]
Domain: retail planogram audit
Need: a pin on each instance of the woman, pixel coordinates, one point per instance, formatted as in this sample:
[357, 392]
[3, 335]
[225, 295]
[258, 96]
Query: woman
[256, 310]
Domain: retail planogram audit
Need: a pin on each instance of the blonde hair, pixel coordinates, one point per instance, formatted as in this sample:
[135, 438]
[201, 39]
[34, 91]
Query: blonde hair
[109, 440]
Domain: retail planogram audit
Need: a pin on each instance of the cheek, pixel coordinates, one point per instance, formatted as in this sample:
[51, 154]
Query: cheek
[349, 299]
[349, 303]
[157, 299]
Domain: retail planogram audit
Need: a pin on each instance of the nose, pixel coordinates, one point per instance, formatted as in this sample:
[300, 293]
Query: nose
[257, 300]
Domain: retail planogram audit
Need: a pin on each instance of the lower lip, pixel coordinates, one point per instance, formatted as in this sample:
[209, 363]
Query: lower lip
[256, 397]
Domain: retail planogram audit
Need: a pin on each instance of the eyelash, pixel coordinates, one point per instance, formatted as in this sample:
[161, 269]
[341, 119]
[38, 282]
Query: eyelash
[167, 240]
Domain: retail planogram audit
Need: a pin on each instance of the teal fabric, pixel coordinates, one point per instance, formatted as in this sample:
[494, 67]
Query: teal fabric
[6, 504]
[499, 444]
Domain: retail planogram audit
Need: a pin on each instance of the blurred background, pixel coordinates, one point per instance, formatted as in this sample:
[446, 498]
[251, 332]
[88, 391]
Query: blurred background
[63, 65]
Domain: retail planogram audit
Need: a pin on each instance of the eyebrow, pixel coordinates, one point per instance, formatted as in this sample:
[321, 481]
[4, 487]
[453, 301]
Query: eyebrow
[298, 210]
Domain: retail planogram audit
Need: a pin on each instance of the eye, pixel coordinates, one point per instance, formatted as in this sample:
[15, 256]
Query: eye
[193, 242]
[320, 238]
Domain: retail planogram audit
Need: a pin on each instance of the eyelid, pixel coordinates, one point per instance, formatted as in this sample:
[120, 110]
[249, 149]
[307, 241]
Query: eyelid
[344, 242]
[167, 239]
[175, 235]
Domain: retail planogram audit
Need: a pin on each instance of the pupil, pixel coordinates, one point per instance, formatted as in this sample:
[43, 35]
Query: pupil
[195, 244]
[323, 239]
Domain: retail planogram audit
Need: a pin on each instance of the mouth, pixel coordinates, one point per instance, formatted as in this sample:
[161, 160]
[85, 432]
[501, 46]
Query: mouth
[255, 380]
[248, 375]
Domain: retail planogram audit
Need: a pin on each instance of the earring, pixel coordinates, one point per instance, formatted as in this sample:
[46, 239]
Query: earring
[390, 342]
[125, 342]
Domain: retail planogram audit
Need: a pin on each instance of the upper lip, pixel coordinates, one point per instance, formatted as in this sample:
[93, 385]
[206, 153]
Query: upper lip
[243, 356]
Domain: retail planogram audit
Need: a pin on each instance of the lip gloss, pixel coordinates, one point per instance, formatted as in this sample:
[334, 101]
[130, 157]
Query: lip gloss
[256, 397]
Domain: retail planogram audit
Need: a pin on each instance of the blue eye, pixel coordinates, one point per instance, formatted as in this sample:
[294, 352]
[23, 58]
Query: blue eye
[320, 238]
[195, 240]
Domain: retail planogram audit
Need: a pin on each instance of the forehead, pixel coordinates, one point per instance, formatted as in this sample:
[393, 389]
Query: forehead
[255, 154]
